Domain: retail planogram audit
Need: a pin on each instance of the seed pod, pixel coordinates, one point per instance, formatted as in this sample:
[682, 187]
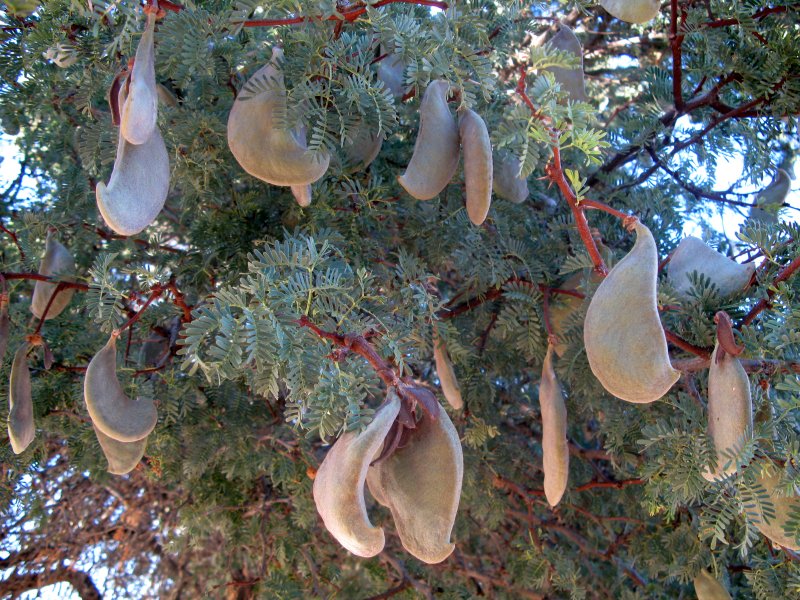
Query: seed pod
[708, 588]
[390, 72]
[447, 376]
[506, 182]
[112, 412]
[730, 409]
[478, 167]
[265, 151]
[571, 80]
[632, 11]
[56, 262]
[339, 483]
[624, 340]
[771, 198]
[365, 147]
[165, 96]
[20, 403]
[122, 457]
[555, 452]
[692, 254]
[435, 157]
[786, 509]
[420, 483]
[140, 109]
[302, 194]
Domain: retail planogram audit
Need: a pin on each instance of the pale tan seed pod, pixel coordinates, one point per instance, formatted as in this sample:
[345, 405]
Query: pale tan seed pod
[571, 80]
[435, 157]
[122, 457]
[166, 97]
[708, 588]
[447, 376]
[56, 262]
[339, 483]
[140, 109]
[302, 194]
[692, 254]
[770, 199]
[632, 11]
[785, 508]
[622, 333]
[365, 147]
[506, 182]
[730, 409]
[263, 149]
[420, 483]
[390, 72]
[112, 412]
[478, 169]
[555, 451]
[20, 403]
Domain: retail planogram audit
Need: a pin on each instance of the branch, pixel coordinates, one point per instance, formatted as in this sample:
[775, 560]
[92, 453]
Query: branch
[751, 365]
[36, 277]
[756, 16]
[16, 584]
[348, 15]
[764, 303]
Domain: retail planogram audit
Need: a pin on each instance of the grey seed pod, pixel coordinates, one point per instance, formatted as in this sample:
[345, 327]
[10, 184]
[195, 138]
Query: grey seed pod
[447, 376]
[571, 80]
[770, 199]
[122, 457]
[21, 429]
[786, 508]
[140, 109]
[56, 262]
[506, 182]
[555, 451]
[692, 254]
[478, 167]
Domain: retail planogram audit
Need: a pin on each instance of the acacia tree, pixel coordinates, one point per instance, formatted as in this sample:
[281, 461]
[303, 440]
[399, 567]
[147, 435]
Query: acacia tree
[262, 329]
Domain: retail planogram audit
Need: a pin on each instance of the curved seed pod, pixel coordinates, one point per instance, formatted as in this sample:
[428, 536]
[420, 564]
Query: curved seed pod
[20, 402]
[624, 340]
[632, 11]
[122, 457]
[771, 198]
[447, 376]
[112, 412]
[708, 588]
[555, 452]
[262, 149]
[505, 180]
[390, 72]
[420, 483]
[140, 109]
[477, 164]
[692, 254]
[57, 261]
[302, 194]
[730, 409]
[571, 80]
[365, 147]
[786, 509]
[339, 483]
[435, 157]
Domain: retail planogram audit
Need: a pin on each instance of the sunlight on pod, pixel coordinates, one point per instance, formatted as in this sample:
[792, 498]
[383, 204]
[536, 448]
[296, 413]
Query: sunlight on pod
[447, 376]
[571, 80]
[477, 164]
[20, 403]
[506, 182]
[302, 194]
[786, 508]
[420, 483]
[692, 254]
[265, 151]
[708, 588]
[622, 333]
[122, 457]
[339, 483]
[435, 157]
[770, 199]
[555, 452]
[140, 109]
[730, 409]
[632, 11]
[112, 412]
[56, 262]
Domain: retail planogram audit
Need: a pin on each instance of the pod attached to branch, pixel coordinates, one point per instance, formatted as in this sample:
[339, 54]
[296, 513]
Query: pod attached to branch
[260, 146]
[339, 483]
[786, 511]
[112, 412]
[435, 157]
[555, 451]
[632, 11]
[571, 80]
[622, 333]
[478, 168]
[692, 254]
[506, 182]
[420, 483]
[708, 588]
[770, 199]
[20, 402]
[122, 457]
[140, 109]
[56, 262]
[447, 376]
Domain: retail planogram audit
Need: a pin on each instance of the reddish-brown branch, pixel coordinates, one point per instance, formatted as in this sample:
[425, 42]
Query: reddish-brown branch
[764, 12]
[107, 235]
[179, 300]
[764, 303]
[59, 288]
[609, 484]
[605, 208]
[676, 43]
[14, 239]
[679, 342]
[349, 15]
[36, 277]
[154, 293]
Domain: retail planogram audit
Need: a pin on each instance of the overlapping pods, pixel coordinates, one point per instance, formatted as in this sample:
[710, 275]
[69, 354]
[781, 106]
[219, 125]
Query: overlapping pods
[632, 11]
[20, 402]
[447, 376]
[56, 262]
[692, 254]
[555, 451]
[478, 170]
[625, 343]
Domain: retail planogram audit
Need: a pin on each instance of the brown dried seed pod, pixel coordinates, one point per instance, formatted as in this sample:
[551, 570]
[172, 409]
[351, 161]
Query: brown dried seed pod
[447, 376]
[555, 452]
[420, 483]
[140, 109]
[122, 457]
[622, 333]
[56, 262]
[435, 157]
[339, 483]
[112, 412]
[692, 254]
[20, 403]
[506, 182]
[730, 409]
[571, 80]
[786, 508]
[265, 151]
[302, 194]
[632, 11]
[771, 198]
[478, 169]
[708, 588]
